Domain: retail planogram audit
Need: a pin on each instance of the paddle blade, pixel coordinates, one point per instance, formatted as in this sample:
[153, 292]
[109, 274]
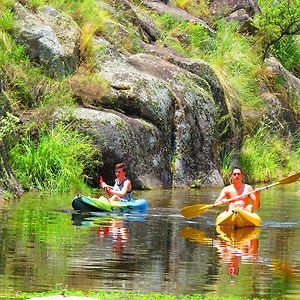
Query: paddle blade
[195, 210]
[290, 179]
[100, 181]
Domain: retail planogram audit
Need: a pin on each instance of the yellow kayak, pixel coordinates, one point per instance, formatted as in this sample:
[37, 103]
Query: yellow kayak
[238, 218]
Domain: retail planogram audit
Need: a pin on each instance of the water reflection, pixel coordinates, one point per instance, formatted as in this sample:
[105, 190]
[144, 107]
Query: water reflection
[109, 228]
[234, 245]
[237, 245]
[44, 244]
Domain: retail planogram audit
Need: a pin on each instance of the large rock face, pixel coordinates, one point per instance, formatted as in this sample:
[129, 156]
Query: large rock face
[50, 38]
[282, 93]
[226, 7]
[162, 118]
[241, 11]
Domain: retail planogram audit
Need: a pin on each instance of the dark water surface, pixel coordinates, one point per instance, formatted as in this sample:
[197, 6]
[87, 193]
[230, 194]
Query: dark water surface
[44, 246]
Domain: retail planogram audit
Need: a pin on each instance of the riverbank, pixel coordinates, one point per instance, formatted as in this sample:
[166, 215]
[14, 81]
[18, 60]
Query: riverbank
[115, 295]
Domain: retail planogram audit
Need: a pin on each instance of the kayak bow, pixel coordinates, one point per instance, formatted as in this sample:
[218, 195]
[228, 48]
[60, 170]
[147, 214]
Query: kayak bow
[238, 218]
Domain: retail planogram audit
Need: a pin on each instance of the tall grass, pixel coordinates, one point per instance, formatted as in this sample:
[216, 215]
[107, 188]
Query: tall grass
[226, 167]
[56, 162]
[266, 156]
[196, 8]
[6, 19]
[234, 58]
[287, 51]
[231, 54]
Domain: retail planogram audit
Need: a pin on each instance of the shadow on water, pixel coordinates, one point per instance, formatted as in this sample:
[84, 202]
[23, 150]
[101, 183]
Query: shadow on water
[48, 244]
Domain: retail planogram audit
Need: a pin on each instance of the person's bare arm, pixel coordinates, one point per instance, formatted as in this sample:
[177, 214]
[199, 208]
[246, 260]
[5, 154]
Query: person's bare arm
[255, 198]
[223, 195]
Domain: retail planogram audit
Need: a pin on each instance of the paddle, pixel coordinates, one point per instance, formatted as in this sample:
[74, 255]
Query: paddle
[198, 209]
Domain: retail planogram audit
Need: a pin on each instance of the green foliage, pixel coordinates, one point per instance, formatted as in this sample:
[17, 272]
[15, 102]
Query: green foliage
[91, 19]
[35, 3]
[7, 125]
[168, 22]
[5, 4]
[56, 162]
[265, 155]
[295, 155]
[278, 19]
[287, 51]
[226, 167]
[6, 19]
[231, 54]
[10, 52]
[236, 62]
[196, 8]
[83, 12]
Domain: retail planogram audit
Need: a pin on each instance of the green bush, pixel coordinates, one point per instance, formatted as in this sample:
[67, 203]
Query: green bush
[56, 162]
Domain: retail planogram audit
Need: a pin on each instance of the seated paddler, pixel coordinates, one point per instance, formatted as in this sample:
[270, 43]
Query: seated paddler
[249, 202]
[121, 191]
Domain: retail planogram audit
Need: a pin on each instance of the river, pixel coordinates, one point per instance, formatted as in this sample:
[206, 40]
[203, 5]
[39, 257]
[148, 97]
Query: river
[45, 245]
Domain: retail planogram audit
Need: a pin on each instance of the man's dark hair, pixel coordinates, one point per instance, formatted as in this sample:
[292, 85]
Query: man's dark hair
[239, 168]
[121, 166]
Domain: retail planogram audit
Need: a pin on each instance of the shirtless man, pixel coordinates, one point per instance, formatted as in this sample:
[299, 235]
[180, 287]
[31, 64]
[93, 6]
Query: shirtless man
[238, 188]
[121, 191]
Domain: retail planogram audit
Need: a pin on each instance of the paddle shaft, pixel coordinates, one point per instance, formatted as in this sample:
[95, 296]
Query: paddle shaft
[198, 209]
[247, 194]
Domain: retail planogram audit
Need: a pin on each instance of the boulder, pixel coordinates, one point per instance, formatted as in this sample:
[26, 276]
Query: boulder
[281, 92]
[175, 107]
[138, 18]
[51, 38]
[223, 8]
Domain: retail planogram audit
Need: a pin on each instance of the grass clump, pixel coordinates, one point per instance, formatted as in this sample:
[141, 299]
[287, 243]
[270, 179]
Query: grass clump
[54, 162]
[91, 19]
[266, 156]
[198, 9]
[287, 51]
[233, 57]
[88, 87]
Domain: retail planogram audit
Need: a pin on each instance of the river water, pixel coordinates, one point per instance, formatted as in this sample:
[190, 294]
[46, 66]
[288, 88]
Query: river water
[45, 245]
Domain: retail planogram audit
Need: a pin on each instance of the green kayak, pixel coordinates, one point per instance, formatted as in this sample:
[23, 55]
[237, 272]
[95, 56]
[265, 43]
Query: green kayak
[102, 204]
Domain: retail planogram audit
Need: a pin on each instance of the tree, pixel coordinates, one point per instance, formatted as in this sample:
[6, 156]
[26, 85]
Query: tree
[279, 18]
